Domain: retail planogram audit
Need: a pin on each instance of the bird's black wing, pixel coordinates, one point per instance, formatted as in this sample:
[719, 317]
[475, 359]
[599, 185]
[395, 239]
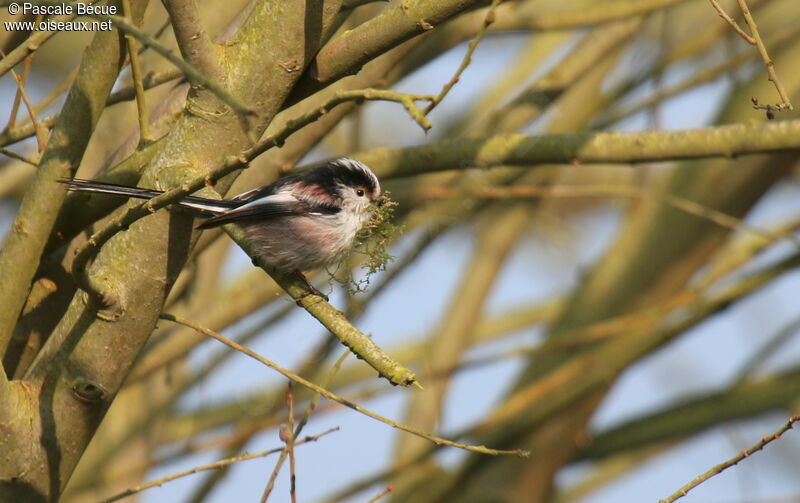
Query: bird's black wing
[276, 205]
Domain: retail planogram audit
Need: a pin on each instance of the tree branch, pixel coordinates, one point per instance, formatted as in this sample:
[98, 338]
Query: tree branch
[194, 74]
[19, 257]
[34, 41]
[193, 41]
[754, 38]
[347, 52]
[738, 29]
[212, 466]
[138, 86]
[330, 317]
[149, 81]
[762, 51]
[584, 148]
[487, 21]
[338, 399]
[695, 415]
[731, 462]
[140, 270]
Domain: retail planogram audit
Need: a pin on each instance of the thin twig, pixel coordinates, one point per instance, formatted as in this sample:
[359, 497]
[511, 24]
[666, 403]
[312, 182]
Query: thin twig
[312, 404]
[754, 38]
[40, 131]
[19, 157]
[12, 119]
[136, 74]
[762, 50]
[381, 494]
[149, 81]
[315, 399]
[275, 471]
[192, 73]
[34, 41]
[286, 434]
[487, 21]
[724, 15]
[731, 462]
[23, 131]
[157, 34]
[336, 398]
[212, 466]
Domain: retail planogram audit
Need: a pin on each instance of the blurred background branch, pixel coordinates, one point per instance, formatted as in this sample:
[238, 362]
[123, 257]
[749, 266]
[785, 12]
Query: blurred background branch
[597, 263]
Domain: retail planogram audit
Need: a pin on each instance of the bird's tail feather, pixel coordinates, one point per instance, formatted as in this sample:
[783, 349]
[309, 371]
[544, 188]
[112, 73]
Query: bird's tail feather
[207, 206]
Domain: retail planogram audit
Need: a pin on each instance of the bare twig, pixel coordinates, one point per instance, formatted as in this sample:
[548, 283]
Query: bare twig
[755, 39]
[381, 494]
[212, 466]
[287, 436]
[40, 131]
[487, 21]
[192, 73]
[149, 81]
[24, 131]
[19, 157]
[312, 404]
[21, 132]
[32, 43]
[531, 152]
[731, 462]
[762, 50]
[772, 345]
[136, 74]
[724, 15]
[315, 399]
[439, 441]
[12, 118]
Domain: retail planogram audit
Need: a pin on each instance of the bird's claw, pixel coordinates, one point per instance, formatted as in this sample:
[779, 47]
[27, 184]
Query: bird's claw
[310, 291]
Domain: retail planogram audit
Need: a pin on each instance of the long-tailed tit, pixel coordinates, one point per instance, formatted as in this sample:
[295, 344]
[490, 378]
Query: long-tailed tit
[299, 223]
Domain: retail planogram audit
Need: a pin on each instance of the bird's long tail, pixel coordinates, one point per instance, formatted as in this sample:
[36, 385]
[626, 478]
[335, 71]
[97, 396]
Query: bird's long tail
[206, 206]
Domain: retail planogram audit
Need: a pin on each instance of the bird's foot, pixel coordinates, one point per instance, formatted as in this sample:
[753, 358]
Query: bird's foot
[310, 290]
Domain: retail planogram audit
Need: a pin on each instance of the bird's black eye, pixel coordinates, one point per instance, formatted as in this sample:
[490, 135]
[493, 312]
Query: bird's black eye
[359, 192]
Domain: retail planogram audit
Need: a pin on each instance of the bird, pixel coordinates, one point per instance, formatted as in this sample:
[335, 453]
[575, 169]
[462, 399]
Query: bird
[298, 223]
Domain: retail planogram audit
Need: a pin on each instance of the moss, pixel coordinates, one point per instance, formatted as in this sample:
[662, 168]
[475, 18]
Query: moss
[372, 244]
